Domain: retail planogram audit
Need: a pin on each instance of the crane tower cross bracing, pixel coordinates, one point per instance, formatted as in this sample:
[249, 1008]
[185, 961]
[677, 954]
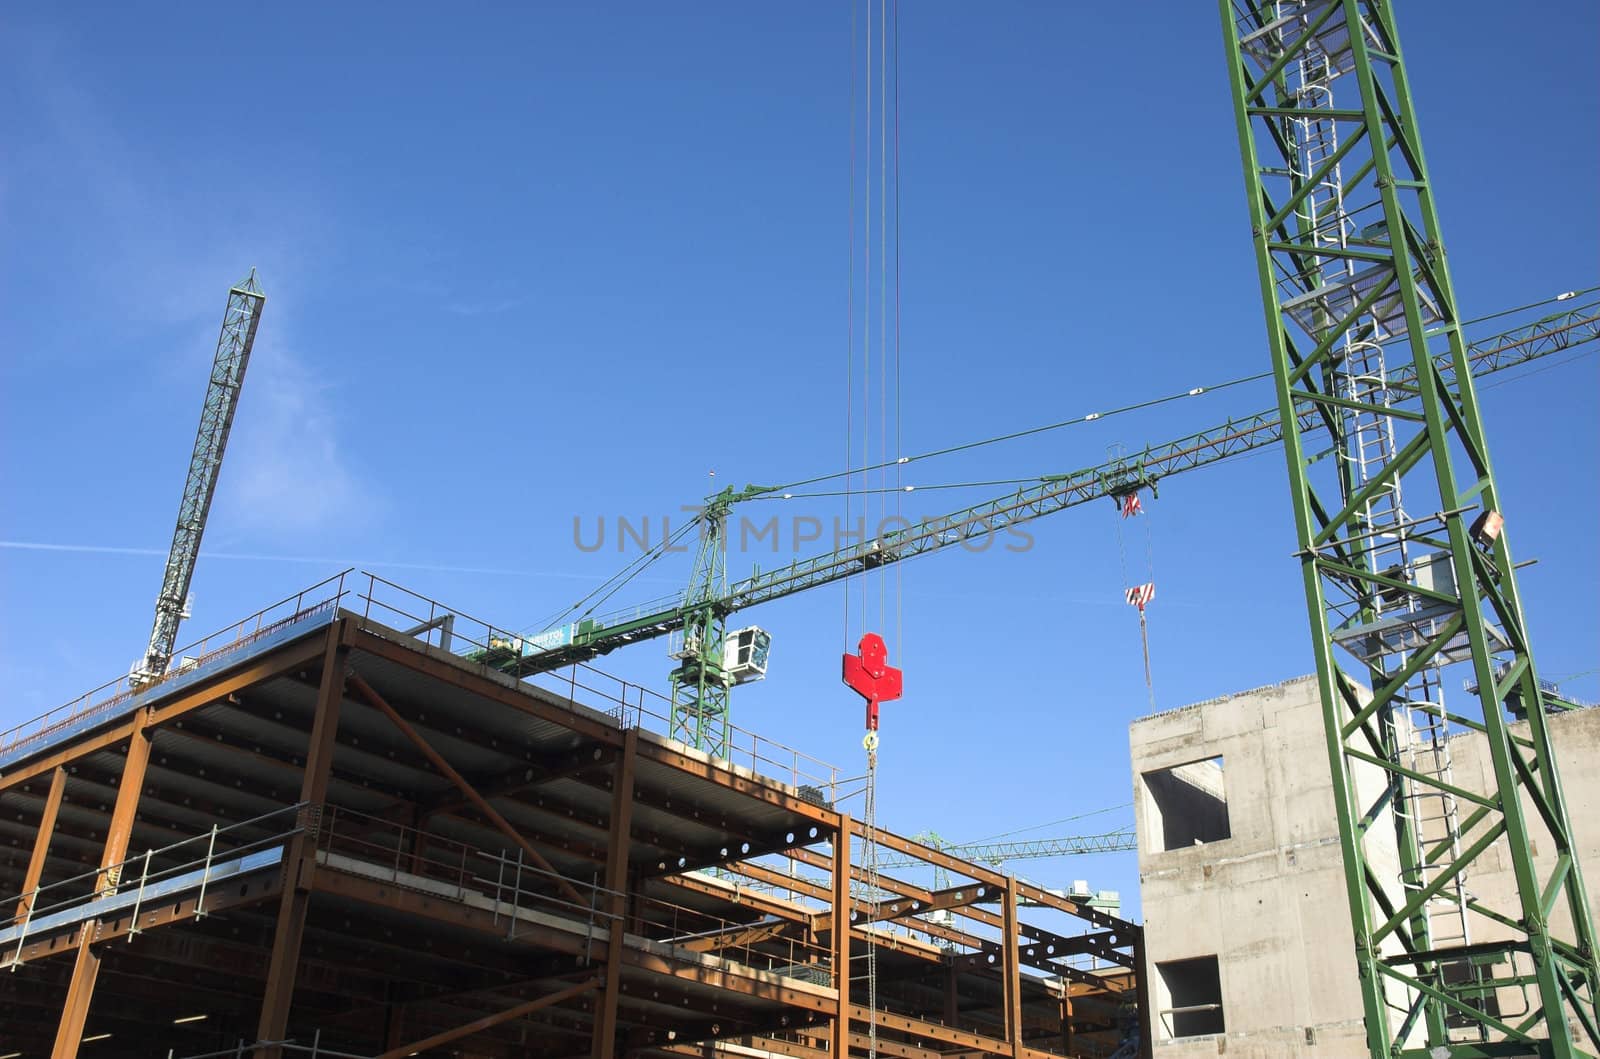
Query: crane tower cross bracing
[1349, 252]
[238, 335]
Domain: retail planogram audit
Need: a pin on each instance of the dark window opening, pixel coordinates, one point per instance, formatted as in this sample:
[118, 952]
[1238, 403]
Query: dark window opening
[1194, 997]
[1188, 805]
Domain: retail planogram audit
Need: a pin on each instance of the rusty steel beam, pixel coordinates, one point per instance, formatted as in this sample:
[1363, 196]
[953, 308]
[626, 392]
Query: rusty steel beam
[1081, 910]
[439, 726]
[721, 854]
[864, 1043]
[951, 934]
[731, 978]
[761, 873]
[946, 1035]
[1102, 944]
[299, 860]
[161, 793]
[80, 992]
[372, 698]
[774, 1046]
[41, 844]
[912, 891]
[239, 893]
[490, 1021]
[525, 698]
[285, 763]
[934, 857]
[825, 820]
[740, 936]
[331, 880]
[576, 765]
[763, 903]
[938, 900]
[191, 697]
[603, 1043]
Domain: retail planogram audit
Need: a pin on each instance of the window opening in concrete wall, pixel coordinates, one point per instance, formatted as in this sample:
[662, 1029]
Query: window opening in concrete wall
[1186, 805]
[1192, 990]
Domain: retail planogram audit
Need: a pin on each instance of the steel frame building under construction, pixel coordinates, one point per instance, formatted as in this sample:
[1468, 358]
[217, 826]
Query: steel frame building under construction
[333, 827]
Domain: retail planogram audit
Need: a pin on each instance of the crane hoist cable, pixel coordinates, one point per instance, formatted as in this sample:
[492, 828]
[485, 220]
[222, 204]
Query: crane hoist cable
[1129, 505]
[611, 585]
[848, 474]
[868, 672]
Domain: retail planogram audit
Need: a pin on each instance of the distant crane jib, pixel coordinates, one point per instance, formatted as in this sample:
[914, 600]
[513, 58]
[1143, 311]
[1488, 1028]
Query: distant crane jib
[237, 338]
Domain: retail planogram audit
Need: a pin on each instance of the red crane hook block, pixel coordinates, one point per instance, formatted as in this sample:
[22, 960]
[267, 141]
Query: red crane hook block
[870, 675]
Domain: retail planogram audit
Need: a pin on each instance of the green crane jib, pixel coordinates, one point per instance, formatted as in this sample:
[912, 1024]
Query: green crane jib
[238, 335]
[996, 853]
[1408, 575]
[702, 723]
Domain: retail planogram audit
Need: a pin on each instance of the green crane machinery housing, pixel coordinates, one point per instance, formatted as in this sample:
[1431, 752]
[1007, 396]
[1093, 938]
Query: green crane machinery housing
[1408, 573]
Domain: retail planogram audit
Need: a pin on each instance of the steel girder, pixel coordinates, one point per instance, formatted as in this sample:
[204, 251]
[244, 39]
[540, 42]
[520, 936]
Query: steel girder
[1350, 257]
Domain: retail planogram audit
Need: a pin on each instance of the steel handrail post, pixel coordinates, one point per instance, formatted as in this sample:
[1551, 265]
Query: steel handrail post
[516, 898]
[138, 899]
[22, 936]
[499, 880]
[205, 875]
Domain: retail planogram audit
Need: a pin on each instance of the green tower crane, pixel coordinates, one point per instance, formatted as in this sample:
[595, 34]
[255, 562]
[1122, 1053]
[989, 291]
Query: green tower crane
[1404, 553]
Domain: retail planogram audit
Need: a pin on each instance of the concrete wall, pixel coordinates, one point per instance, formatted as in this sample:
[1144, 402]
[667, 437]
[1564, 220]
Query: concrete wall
[1269, 901]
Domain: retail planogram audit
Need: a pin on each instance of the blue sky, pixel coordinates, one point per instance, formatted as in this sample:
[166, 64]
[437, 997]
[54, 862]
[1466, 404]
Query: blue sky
[531, 263]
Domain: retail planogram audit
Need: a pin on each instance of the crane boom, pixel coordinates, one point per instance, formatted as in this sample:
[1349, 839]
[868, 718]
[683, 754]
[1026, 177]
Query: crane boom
[238, 335]
[1117, 841]
[591, 637]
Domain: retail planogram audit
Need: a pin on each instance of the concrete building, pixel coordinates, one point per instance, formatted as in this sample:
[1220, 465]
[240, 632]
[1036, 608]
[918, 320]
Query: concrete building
[1249, 947]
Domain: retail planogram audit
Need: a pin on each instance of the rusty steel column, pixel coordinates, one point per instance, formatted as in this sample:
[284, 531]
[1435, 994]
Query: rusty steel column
[299, 855]
[840, 940]
[603, 1043]
[1011, 969]
[1066, 1017]
[75, 1012]
[1141, 986]
[41, 843]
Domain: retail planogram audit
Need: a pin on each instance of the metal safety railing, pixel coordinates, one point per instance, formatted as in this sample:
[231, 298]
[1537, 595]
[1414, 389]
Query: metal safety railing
[505, 882]
[516, 891]
[456, 632]
[193, 864]
[324, 597]
[244, 1050]
[630, 705]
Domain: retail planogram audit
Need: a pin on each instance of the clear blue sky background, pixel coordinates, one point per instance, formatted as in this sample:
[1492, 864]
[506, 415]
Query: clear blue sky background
[534, 262]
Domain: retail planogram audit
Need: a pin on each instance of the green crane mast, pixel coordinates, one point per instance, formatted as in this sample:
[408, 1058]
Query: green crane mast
[1407, 569]
[706, 672]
